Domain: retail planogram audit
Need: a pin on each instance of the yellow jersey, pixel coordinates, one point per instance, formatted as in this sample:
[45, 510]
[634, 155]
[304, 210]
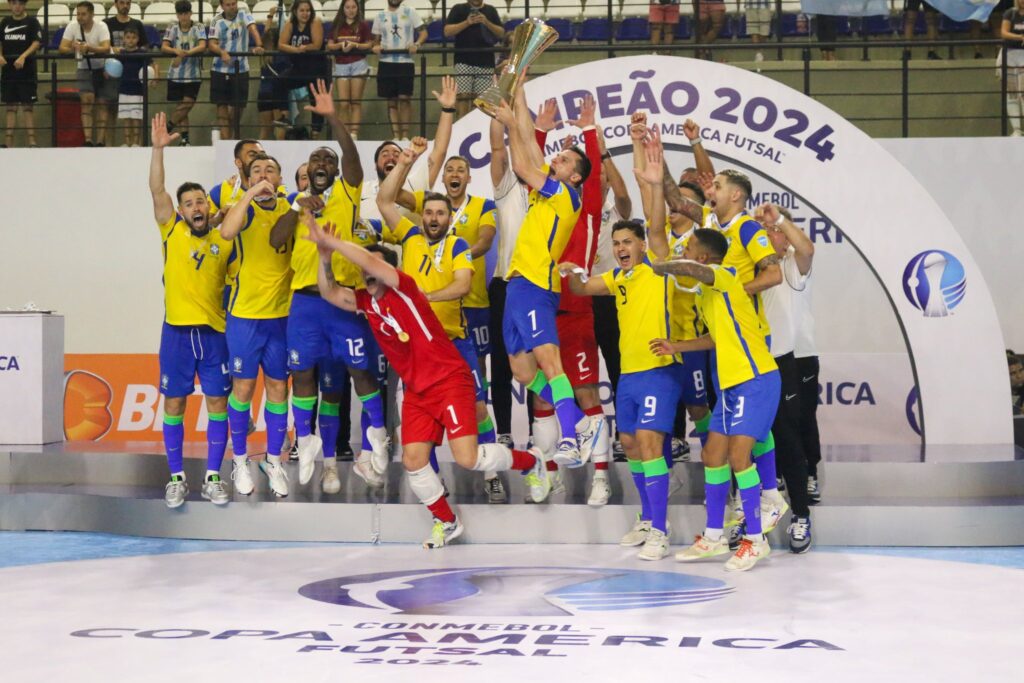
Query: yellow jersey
[467, 220]
[341, 207]
[227, 194]
[643, 300]
[433, 266]
[740, 349]
[194, 271]
[748, 246]
[686, 323]
[546, 229]
[262, 282]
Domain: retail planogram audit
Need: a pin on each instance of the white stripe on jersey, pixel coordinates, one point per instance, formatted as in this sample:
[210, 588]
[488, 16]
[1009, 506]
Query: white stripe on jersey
[415, 314]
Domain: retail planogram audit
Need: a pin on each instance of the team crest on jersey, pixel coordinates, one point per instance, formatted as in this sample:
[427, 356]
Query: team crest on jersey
[763, 241]
[463, 219]
[214, 249]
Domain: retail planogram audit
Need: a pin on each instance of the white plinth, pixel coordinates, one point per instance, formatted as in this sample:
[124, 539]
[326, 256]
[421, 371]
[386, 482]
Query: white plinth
[31, 378]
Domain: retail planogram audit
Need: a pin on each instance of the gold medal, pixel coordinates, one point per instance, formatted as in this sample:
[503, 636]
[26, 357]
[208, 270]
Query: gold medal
[403, 336]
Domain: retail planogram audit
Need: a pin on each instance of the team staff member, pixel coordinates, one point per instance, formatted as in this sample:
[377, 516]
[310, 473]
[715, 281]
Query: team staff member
[192, 340]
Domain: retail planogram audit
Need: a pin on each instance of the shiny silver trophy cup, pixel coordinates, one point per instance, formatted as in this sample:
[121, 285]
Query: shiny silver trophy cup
[529, 40]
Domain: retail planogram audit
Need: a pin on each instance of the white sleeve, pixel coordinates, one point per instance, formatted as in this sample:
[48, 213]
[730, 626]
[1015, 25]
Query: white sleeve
[506, 184]
[419, 176]
[791, 273]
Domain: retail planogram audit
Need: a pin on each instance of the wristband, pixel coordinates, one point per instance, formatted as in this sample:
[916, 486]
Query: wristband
[582, 273]
[606, 156]
[778, 223]
[698, 141]
[448, 110]
[296, 207]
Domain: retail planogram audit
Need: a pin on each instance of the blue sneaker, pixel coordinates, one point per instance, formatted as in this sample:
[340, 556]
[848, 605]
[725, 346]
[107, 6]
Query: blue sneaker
[799, 534]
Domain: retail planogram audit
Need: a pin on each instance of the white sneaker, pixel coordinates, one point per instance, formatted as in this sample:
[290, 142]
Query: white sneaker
[329, 481]
[380, 443]
[638, 534]
[771, 513]
[557, 485]
[310, 448]
[537, 478]
[656, 545]
[443, 533]
[748, 555]
[588, 436]
[276, 477]
[734, 512]
[703, 548]
[214, 491]
[600, 490]
[175, 492]
[568, 453]
[364, 470]
[241, 478]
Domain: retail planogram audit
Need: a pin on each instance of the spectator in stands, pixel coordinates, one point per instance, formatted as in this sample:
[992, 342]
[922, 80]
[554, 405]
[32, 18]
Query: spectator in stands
[1012, 31]
[302, 38]
[272, 98]
[1016, 367]
[20, 38]
[232, 31]
[352, 40]
[827, 28]
[663, 17]
[118, 24]
[132, 84]
[186, 40]
[931, 19]
[400, 31]
[474, 25]
[995, 22]
[759, 22]
[710, 19]
[89, 40]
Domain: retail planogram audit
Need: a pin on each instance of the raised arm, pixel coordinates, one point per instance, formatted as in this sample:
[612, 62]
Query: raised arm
[443, 136]
[330, 290]
[651, 174]
[575, 275]
[236, 217]
[284, 228]
[385, 273]
[527, 162]
[392, 186]
[499, 153]
[623, 203]
[163, 205]
[638, 132]
[803, 247]
[323, 104]
[701, 159]
[685, 267]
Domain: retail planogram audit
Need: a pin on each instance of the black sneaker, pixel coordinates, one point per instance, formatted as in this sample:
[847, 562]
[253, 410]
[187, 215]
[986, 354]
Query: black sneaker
[934, 56]
[799, 534]
[495, 491]
[813, 490]
[736, 535]
[88, 143]
[506, 440]
[345, 452]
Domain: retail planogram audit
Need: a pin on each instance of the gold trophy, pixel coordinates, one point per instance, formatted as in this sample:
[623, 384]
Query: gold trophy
[529, 39]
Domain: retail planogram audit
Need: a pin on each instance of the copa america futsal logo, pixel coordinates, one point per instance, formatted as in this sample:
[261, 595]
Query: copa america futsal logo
[935, 283]
[516, 591]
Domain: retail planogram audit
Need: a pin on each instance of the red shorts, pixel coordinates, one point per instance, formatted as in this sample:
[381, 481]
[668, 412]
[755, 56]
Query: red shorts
[663, 14]
[449, 406]
[578, 346]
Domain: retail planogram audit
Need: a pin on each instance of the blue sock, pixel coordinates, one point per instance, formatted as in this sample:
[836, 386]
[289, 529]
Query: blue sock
[364, 424]
[174, 437]
[666, 450]
[276, 417]
[750, 496]
[433, 460]
[238, 420]
[636, 468]
[485, 431]
[656, 486]
[373, 404]
[764, 458]
[569, 414]
[302, 410]
[216, 441]
[330, 423]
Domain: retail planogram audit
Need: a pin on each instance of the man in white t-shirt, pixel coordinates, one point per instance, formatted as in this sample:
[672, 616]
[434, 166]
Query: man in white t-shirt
[89, 40]
[797, 253]
[399, 27]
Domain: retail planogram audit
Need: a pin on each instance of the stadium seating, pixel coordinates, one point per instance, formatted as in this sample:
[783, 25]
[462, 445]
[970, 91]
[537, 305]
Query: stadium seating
[60, 15]
[593, 29]
[633, 29]
[160, 14]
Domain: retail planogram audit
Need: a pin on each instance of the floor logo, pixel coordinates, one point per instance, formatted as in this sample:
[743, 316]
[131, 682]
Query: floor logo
[516, 591]
[934, 282]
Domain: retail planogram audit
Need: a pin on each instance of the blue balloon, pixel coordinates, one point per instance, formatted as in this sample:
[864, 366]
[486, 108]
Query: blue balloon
[113, 67]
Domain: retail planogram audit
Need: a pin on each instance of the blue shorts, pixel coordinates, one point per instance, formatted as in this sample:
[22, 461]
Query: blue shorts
[529, 316]
[478, 324]
[320, 333]
[648, 400]
[187, 351]
[748, 409]
[255, 344]
[694, 378]
[467, 350]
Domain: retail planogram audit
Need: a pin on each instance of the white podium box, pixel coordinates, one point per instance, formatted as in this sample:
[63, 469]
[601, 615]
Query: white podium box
[31, 378]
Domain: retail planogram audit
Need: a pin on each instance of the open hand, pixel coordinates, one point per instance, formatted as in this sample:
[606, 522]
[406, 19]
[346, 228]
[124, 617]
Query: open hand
[158, 135]
[449, 92]
[323, 103]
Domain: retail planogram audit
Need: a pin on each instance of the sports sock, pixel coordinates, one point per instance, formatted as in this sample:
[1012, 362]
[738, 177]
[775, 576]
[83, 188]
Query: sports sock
[566, 410]
[750, 495]
[329, 423]
[433, 460]
[174, 437]
[440, 509]
[373, 404]
[364, 425]
[428, 488]
[666, 450]
[636, 468]
[238, 420]
[485, 431]
[539, 385]
[701, 427]
[603, 446]
[716, 495]
[302, 411]
[545, 431]
[656, 487]
[523, 461]
[551, 465]
[276, 417]
[764, 458]
[216, 441]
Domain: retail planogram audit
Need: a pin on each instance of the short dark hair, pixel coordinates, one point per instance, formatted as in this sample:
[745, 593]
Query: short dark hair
[390, 257]
[713, 241]
[380, 148]
[457, 157]
[131, 29]
[694, 188]
[262, 156]
[1012, 360]
[740, 180]
[189, 187]
[298, 170]
[583, 164]
[182, 6]
[242, 143]
[87, 5]
[437, 197]
[634, 226]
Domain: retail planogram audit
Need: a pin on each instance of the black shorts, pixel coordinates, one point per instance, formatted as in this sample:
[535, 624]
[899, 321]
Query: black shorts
[915, 6]
[18, 90]
[271, 101]
[395, 80]
[229, 89]
[178, 91]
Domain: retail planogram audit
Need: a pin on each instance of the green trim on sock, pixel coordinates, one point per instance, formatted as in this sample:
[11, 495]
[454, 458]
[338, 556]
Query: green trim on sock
[238, 405]
[636, 466]
[703, 424]
[762, 447]
[561, 388]
[372, 394]
[656, 467]
[327, 408]
[717, 475]
[484, 425]
[304, 402]
[173, 419]
[218, 417]
[277, 408]
[748, 479]
[538, 383]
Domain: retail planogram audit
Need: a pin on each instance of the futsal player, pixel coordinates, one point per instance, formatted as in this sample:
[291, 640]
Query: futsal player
[257, 318]
[320, 335]
[439, 394]
[192, 339]
[748, 396]
[229, 192]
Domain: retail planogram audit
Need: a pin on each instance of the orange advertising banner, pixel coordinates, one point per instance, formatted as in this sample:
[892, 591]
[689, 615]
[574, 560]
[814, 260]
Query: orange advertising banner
[116, 397]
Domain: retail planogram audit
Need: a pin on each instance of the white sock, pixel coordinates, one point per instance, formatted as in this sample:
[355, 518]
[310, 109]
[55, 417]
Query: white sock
[546, 434]
[492, 457]
[490, 474]
[426, 485]
[210, 473]
[1013, 111]
[274, 459]
[713, 534]
[772, 495]
[241, 459]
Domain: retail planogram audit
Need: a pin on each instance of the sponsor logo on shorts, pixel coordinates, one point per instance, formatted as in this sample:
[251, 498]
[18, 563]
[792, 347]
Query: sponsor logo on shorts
[237, 364]
[164, 380]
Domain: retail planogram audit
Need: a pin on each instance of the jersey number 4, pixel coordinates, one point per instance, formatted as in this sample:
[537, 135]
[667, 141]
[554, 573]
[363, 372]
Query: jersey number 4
[198, 258]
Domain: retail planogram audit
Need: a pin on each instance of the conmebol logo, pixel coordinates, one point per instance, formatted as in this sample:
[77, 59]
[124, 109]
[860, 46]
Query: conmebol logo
[934, 282]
